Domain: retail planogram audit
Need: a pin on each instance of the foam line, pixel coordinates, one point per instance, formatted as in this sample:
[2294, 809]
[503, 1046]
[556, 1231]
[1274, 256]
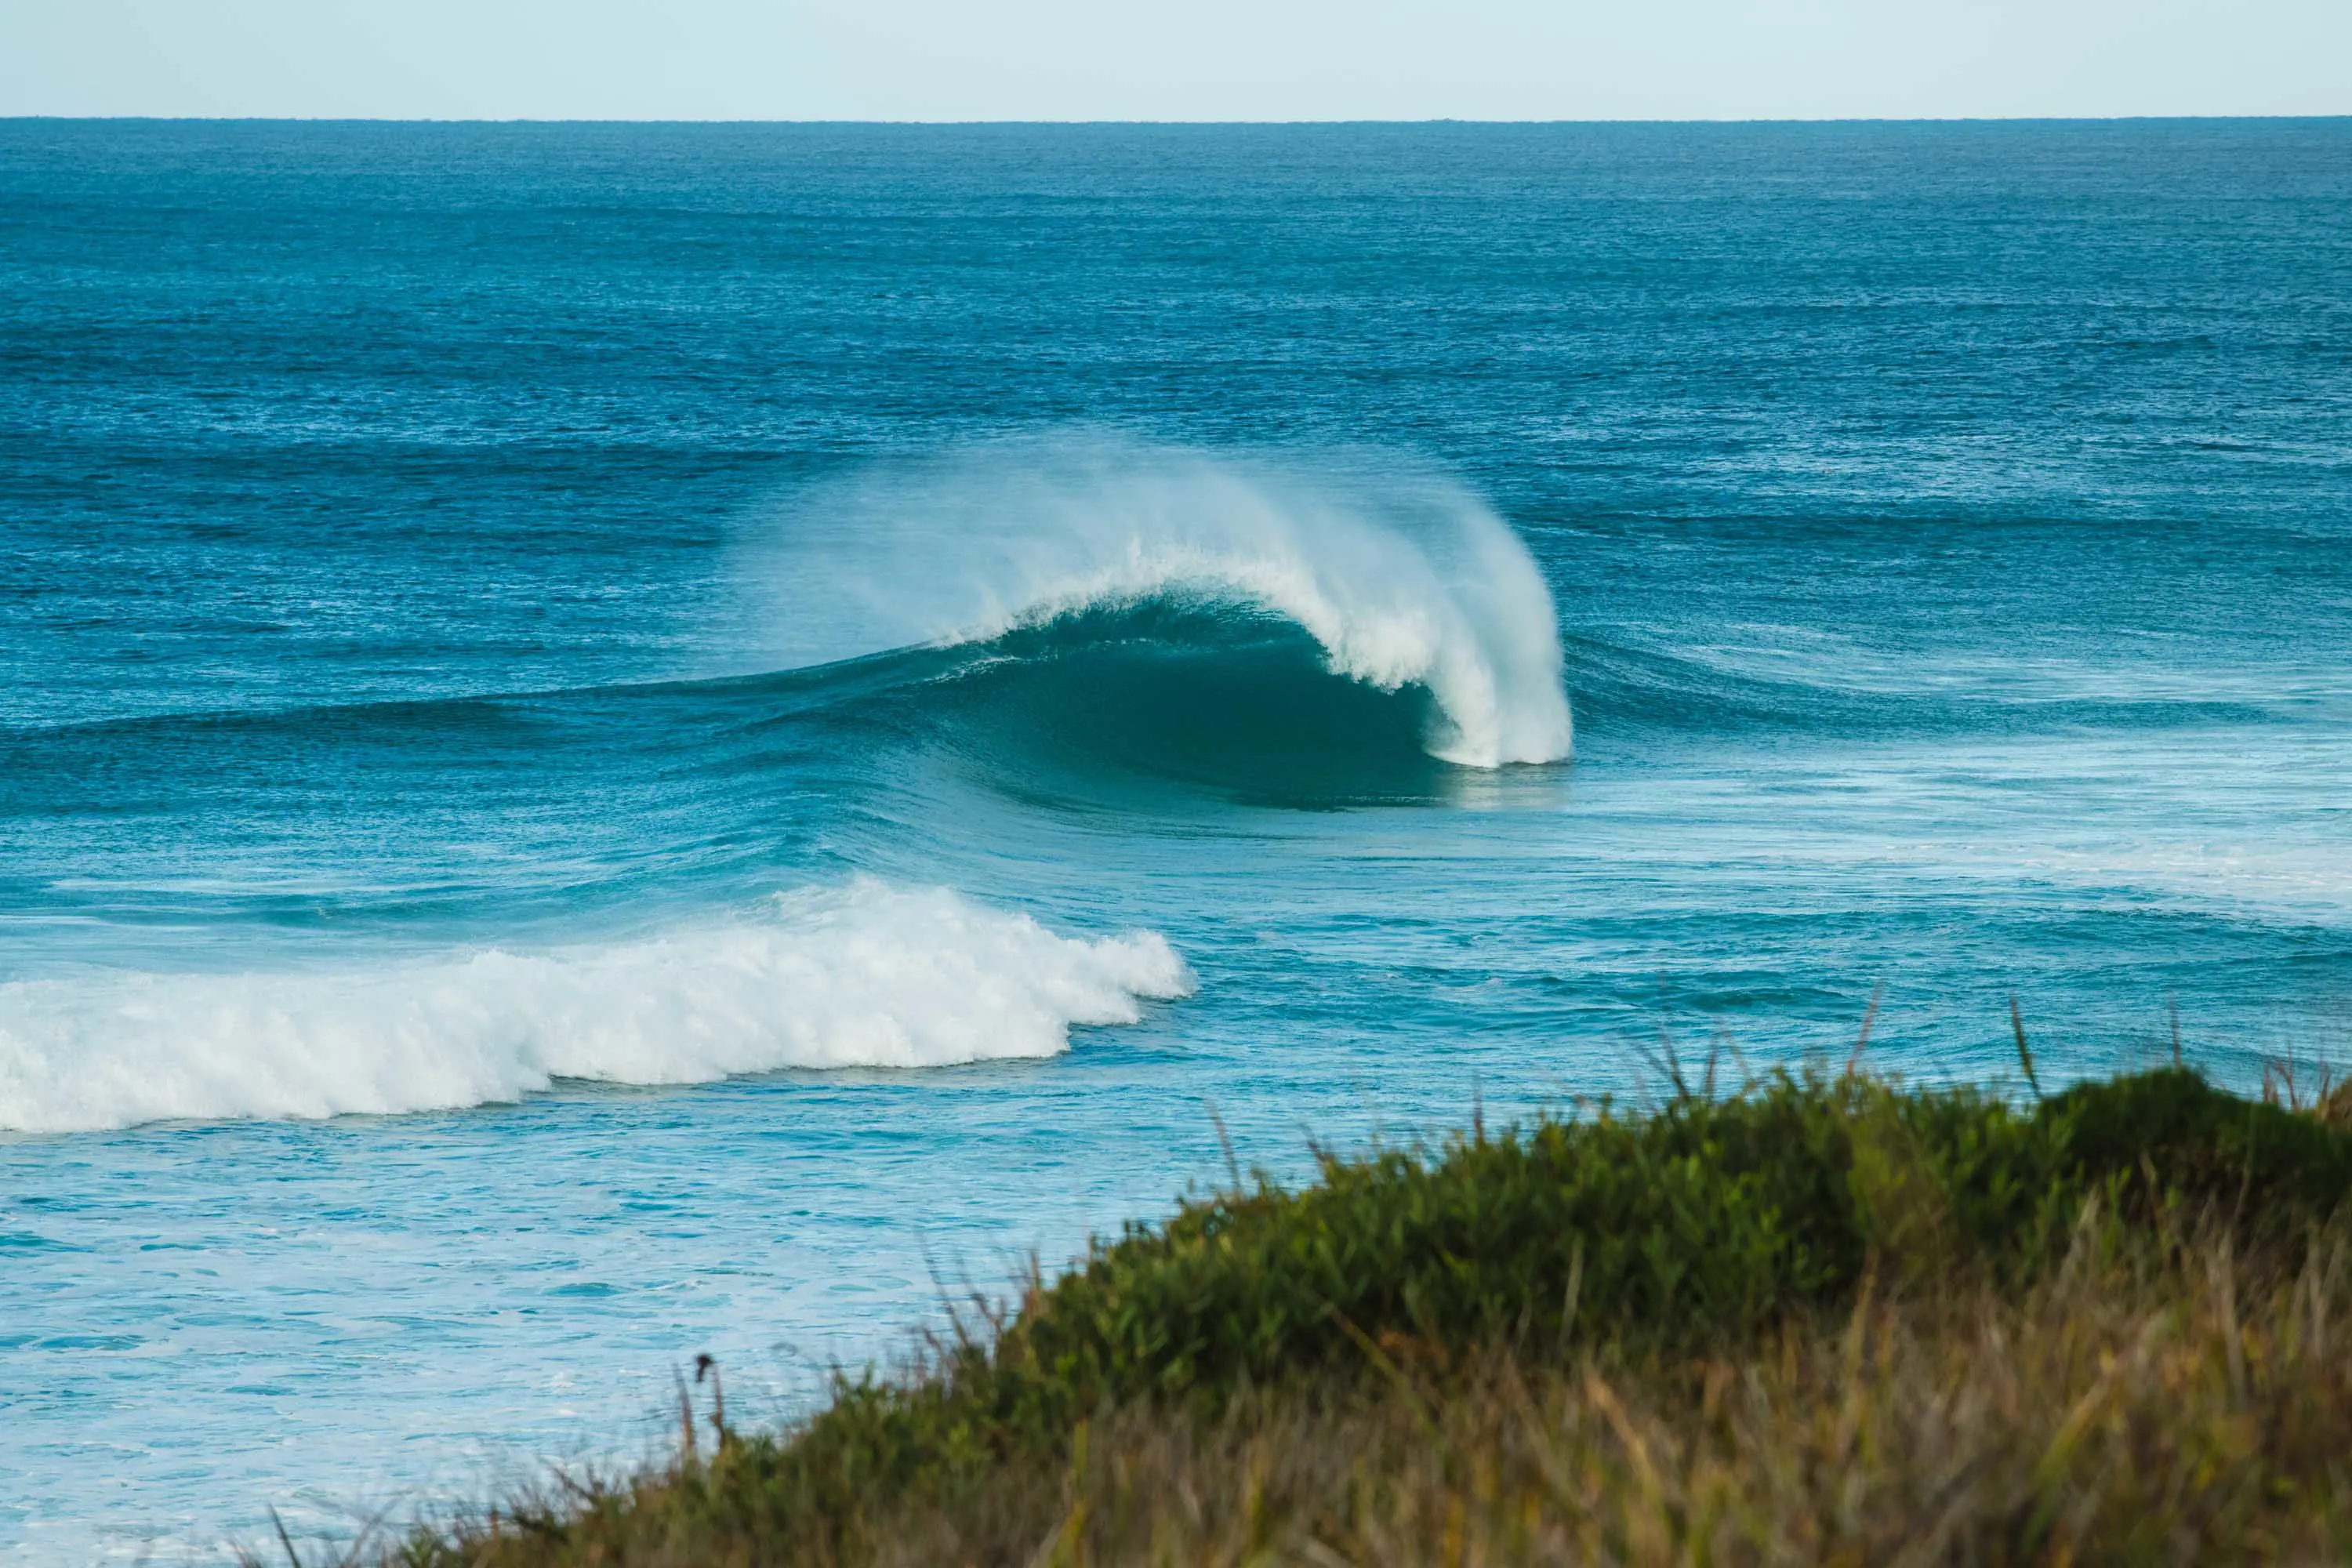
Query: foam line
[864, 975]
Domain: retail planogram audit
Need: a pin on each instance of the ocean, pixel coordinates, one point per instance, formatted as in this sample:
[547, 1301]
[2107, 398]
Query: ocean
[626, 741]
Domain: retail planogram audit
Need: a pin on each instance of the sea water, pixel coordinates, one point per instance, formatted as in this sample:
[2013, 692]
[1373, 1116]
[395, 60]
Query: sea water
[622, 742]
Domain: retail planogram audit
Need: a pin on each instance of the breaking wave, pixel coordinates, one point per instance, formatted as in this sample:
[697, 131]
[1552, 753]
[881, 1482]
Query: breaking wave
[1401, 578]
[864, 975]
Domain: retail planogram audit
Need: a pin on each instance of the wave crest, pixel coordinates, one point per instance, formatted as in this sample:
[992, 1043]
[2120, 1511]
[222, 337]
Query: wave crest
[864, 975]
[1401, 578]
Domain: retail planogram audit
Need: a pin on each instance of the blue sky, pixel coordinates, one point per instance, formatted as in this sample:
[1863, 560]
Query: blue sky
[1201, 59]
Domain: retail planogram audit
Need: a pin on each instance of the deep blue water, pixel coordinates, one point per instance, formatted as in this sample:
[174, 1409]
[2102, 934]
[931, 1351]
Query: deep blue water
[585, 710]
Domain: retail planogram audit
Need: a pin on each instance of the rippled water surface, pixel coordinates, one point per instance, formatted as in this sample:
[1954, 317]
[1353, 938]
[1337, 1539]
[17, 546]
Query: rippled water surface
[617, 742]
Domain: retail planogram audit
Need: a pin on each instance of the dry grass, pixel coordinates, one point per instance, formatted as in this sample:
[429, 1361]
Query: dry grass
[2196, 1417]
[2170, 1404]
[1823, 1321]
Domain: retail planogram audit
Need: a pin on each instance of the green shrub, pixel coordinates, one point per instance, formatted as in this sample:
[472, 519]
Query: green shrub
[1627, 1239]
[2271, 1166]
[1702, 1220]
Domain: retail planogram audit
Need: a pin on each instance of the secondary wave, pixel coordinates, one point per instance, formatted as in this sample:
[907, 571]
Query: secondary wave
[1401, 578]
[864, 975]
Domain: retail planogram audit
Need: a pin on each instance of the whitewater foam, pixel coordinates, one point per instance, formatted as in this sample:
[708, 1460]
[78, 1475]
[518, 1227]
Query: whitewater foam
[1403, 578]
[864, 975]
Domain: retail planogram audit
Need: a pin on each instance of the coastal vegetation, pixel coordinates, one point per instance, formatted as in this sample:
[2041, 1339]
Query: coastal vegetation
[1818, 1318]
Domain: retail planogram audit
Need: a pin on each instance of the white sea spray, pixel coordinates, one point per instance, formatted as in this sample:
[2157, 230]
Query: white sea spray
[1402, 576]
[867, 974]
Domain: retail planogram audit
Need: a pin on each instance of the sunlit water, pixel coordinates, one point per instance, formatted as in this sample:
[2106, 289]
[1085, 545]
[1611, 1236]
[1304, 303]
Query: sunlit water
[624, 743]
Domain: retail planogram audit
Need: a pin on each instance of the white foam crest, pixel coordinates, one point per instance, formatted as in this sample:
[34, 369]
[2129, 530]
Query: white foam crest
[1403, 578]
[864, 975]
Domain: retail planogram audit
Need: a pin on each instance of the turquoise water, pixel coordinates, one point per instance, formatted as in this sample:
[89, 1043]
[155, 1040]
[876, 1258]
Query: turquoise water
[619, 742]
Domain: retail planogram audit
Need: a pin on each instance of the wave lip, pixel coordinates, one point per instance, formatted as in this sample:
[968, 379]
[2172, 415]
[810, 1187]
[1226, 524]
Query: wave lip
[1403, 579]
[863, 975]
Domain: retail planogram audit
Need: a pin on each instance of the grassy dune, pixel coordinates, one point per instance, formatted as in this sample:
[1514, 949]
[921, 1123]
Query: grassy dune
[1821, 1319]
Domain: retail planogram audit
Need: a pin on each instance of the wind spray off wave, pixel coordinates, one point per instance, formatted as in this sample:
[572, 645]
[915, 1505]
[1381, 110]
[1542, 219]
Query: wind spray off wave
[865, 975]
[1401, 578]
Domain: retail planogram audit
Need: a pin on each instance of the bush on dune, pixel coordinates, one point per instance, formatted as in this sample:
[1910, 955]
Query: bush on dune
[1814, 1318]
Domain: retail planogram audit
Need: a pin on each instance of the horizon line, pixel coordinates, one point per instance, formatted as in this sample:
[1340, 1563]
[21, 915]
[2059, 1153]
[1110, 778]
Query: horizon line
[1012, 122]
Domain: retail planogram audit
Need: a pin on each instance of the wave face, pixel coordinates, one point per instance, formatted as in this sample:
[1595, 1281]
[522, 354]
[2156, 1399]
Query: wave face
[1132, 708]
[1401, 579]
[864, 975]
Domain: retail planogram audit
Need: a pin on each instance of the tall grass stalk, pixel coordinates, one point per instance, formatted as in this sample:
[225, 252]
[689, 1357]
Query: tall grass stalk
[1822, 1320]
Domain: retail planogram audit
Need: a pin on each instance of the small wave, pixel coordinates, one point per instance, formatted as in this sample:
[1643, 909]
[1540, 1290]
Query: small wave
[1626, 690]
[1401, 579]
[864, 975]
